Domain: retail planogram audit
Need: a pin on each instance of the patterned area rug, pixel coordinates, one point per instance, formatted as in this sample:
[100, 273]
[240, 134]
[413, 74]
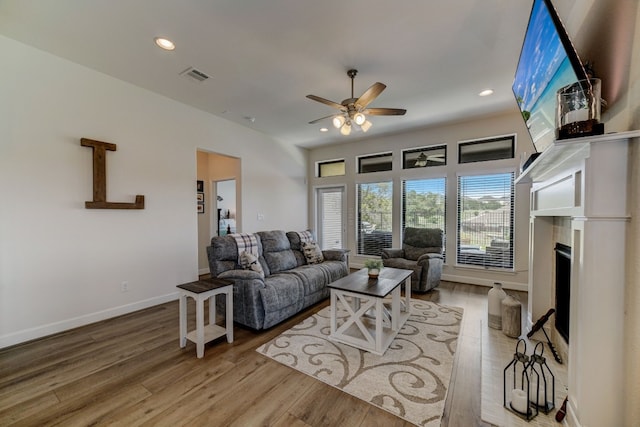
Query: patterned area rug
[410, 380]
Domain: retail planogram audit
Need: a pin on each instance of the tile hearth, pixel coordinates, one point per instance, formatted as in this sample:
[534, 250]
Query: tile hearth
[497, 352]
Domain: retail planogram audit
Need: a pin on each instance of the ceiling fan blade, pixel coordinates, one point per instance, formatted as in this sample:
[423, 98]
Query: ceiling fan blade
[370, 94]
[327, 102]
[323, 118]
[385, 111]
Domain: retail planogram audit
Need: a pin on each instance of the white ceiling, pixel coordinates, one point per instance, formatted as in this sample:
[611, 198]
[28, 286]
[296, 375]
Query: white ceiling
[264, 56]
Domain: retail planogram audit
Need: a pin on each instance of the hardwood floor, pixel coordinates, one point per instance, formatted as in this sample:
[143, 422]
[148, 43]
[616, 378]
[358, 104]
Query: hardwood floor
[130, 371]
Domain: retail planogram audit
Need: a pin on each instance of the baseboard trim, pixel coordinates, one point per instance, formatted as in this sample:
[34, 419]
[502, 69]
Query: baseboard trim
[203, 271]
[523, 287]
[64, 325]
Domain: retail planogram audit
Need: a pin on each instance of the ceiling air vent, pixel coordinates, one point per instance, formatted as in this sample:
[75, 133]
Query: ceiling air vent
[194, 74]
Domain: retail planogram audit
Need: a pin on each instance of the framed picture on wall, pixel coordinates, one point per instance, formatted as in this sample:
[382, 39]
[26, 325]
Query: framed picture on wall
[200, 186]
[200, 197]
[200, 208]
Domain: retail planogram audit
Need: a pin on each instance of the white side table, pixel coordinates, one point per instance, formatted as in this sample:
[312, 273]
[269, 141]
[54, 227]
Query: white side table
[200, 291]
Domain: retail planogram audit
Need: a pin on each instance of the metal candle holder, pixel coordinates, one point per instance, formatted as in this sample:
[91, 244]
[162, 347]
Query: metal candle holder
[520, 396]
[543, 381]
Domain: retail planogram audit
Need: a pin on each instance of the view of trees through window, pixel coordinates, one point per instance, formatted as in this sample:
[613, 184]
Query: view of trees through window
[424, 203]
[485, 220]
[374, 217]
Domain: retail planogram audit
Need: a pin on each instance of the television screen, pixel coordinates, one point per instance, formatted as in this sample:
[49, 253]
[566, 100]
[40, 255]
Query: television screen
[548, 62]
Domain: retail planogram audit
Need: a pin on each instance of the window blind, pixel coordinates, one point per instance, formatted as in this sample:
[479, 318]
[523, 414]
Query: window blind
[485, 220]
[374, 217]
[424, 204]
[330, 221]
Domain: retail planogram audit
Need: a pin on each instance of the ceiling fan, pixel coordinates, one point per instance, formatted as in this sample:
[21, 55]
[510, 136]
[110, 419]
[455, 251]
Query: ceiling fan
[424, 159]
[354, 110]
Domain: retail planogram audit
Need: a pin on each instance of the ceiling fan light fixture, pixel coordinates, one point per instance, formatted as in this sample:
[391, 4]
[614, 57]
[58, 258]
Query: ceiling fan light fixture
[359, 118]
[346, 129]
[366, 126]
[338, 121]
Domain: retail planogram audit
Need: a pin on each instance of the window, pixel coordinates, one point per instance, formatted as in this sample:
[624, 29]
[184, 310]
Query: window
[424, 157]
[374, 217]
[424, 203]
[486, 149]
[375, 163]
[330, 168]
[485, 220]
[330, 202]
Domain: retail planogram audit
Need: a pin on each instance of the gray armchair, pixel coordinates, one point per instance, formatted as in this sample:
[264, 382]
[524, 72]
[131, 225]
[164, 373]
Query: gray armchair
[421, 252]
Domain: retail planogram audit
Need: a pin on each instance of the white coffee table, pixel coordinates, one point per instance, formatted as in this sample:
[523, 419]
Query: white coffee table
[372, 321]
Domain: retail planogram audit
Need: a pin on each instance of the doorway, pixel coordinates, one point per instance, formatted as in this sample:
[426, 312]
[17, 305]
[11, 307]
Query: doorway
[214, 168]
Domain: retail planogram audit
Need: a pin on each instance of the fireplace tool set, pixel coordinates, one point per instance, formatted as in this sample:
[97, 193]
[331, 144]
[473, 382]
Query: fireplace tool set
[532, 388]
[539, 325]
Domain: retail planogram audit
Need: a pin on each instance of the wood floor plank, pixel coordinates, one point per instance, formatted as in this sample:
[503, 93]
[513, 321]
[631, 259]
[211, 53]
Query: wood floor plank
[130, 371]
[165, 393]
[27, 408]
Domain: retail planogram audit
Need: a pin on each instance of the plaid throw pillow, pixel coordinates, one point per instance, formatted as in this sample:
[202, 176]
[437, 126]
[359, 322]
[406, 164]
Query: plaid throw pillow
[312, 253]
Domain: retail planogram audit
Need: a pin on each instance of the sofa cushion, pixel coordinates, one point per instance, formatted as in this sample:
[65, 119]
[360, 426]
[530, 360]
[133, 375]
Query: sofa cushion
[296, 246]
[312, 253]
[406, 264]
[418, 241]
[276, 250]
[282, 297]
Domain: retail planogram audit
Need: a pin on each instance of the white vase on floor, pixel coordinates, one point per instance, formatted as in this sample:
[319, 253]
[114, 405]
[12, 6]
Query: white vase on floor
[496, 295]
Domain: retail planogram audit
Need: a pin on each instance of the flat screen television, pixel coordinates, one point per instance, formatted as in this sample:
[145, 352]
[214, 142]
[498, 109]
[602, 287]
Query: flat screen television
[548, 61]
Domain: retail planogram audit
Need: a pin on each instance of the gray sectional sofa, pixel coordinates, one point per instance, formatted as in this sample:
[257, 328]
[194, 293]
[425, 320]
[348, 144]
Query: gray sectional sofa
[289, 284]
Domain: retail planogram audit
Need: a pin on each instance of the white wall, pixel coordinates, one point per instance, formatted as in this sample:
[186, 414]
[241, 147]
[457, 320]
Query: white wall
[451, 134]
[62, 265]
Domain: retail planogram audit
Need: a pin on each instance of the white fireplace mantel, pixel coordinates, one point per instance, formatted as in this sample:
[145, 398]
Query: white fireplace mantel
[585, 180]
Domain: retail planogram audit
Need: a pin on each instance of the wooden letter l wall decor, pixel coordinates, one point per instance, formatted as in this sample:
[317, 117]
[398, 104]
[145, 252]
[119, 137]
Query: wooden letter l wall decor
[100, 178]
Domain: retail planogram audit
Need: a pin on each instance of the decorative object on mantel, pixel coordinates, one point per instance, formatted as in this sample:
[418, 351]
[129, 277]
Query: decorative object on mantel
[373, 266]
[511, 316]
[539, 325]
[494, 311]
[100, 178]
[519, 392]
[541, 381]
[578, 110]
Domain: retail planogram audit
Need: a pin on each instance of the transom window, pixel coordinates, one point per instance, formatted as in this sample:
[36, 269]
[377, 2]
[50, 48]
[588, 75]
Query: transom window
[331, 168]
[375, 163]
[424, 157]
[483, 150]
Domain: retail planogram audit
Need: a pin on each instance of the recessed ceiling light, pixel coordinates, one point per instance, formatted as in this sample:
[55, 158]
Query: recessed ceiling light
[324, 130]
[165, 44]
[486, 92]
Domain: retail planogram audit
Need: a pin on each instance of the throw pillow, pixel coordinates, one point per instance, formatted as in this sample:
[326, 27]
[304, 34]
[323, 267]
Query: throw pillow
[312, 253]
[248, 261]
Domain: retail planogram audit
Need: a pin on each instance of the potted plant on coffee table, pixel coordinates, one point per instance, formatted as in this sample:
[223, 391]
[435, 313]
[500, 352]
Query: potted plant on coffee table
[373, 266]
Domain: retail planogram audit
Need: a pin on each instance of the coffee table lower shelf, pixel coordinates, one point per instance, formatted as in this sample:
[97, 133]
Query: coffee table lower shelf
[369, 341]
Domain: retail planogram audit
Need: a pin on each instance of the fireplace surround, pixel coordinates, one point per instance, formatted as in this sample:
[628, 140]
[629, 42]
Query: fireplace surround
[584, 180]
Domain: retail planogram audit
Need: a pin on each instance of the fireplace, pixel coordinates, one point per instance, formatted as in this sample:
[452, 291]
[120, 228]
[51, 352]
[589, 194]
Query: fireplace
[583, 182]
[563, 289]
